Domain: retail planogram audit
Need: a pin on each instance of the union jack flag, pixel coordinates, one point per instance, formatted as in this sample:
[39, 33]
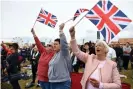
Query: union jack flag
[47, 18]
[78, 12]
[108, 19]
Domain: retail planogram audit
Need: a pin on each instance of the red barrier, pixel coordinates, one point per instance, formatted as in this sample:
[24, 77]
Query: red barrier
[76, 78]
[126, 86]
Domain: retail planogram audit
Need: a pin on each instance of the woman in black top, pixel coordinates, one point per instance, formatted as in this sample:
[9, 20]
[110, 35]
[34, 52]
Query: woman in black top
[12, 67]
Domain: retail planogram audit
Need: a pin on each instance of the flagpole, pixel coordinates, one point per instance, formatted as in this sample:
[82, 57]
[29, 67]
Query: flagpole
[36, 18]
[68, 20]
[50, 41]
[34, 23]
[83, 41]
[80, 19]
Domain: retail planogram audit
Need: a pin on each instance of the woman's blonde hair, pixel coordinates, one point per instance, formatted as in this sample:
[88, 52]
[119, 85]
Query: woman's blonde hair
[104, 44]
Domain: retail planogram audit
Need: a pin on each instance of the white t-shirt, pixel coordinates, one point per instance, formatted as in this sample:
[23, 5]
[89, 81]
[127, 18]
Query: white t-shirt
[75, 59]
[111, 54]
[96, 75]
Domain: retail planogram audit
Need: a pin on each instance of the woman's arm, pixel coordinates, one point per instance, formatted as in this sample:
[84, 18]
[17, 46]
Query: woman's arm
[78, 53]
[5, 48]
[39, 45]
[63, 41]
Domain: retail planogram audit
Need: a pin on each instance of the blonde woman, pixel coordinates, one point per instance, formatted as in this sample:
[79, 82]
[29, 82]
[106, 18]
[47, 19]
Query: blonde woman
[100, 72]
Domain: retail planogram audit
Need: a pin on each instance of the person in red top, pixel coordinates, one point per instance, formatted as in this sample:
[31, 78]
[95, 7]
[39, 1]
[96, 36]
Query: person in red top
[43, 63]
[6, 49]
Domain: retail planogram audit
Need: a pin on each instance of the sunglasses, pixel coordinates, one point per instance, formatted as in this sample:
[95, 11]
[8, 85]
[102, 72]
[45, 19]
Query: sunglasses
[49, 45]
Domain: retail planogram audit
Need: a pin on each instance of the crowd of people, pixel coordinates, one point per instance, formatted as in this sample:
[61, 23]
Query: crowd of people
[52, 64]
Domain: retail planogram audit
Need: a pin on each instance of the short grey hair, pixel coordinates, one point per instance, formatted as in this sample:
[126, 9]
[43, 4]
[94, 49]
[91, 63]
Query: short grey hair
[104, 44]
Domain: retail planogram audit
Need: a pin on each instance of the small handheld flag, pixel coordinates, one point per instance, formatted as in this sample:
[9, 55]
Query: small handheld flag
[47, 18]
[78, 12]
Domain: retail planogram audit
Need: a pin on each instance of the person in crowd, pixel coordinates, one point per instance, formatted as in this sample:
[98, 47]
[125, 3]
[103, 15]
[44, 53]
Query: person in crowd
[32, 47]
[82, 64]
[7, 48]
[119, 56]
[86, 47]
[60, 65]
[3, 61]
[100, 72]
[75, 63]
[126, 55]
[111, 45]
[91, 48]
[24, 53]
[20, 60]
[111, 54]
[1, 48]
[121, 46]
[43, 64]
[12, 67]
[28, 52]
[34, 57]
[131, 57]
[82, 48]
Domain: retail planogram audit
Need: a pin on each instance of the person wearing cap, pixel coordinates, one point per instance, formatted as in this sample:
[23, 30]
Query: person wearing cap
[100, 72]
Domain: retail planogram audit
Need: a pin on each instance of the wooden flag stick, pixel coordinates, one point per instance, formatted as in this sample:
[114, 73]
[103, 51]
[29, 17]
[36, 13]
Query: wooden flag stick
[80, 19]
[34, 23]
[50, 40]
[68, 20]
[36, 19]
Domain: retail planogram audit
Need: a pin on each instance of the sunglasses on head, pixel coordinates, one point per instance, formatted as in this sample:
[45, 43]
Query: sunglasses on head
[49, 45]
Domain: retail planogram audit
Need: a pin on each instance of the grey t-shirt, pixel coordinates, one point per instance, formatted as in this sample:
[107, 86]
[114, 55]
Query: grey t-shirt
[60, 64]
[128, 49]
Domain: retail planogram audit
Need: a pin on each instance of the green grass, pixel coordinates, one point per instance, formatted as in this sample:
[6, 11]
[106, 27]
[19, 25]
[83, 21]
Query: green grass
[22, 83]
[6, 86]
[129, 79]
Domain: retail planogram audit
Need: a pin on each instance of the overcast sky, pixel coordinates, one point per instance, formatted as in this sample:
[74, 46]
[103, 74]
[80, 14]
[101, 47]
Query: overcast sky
[18, 17]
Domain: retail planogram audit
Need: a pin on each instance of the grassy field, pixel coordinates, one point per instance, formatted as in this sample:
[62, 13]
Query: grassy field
[129, 79]
[128, 73]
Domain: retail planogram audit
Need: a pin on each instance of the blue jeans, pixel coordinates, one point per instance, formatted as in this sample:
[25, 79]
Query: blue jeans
[44, 85]
[119, 63]
[61, 85]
